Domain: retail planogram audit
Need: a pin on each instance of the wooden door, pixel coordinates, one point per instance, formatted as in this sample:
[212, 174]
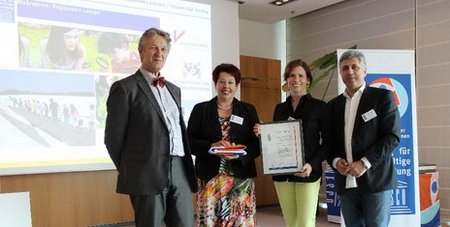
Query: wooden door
[261, 87]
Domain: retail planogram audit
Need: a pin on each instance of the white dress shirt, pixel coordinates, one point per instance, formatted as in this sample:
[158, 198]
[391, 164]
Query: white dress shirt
[171, 114]
[351, 108]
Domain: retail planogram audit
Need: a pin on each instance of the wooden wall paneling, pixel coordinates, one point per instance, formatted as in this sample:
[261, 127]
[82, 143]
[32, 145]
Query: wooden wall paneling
[264, 93]
[72, 199]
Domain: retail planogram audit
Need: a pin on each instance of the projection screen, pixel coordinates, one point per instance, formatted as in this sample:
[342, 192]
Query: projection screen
[58, 60]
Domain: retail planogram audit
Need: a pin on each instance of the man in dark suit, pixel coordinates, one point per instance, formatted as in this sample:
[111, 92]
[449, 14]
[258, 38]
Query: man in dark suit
[366, 126]
[146, 138]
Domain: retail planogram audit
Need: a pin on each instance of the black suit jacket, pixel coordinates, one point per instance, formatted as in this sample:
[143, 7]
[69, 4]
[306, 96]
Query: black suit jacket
[375, 139]
[316, 133]
[204, 129]
[137, 137]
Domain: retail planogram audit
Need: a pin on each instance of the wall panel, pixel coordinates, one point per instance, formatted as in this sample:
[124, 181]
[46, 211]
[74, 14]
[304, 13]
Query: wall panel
[72, 199]
[264, 94]
[420, 25]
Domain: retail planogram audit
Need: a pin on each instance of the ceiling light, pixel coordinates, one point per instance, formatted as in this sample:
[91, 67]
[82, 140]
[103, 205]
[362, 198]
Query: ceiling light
[281, 2]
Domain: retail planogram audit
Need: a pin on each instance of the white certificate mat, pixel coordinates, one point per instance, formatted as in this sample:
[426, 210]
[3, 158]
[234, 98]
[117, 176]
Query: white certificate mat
[282, 147]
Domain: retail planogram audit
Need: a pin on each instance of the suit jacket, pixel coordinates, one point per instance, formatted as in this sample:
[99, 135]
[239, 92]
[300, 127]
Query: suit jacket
[137, 137]
[316, 133]
[204, 129]
[374, 139]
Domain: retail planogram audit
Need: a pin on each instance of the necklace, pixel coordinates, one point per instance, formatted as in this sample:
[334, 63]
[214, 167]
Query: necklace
[224, 108]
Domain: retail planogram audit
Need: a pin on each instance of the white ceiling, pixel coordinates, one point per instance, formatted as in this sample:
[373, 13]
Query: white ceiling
[262, 11]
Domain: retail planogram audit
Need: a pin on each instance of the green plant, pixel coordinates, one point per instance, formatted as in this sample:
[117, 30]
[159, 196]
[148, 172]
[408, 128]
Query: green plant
[324, 67]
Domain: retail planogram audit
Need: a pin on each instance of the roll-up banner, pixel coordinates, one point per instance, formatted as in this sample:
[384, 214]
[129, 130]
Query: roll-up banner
[395, 70]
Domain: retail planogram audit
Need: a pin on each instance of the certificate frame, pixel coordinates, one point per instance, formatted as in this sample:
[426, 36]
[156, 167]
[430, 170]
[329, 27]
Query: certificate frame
[282, 147]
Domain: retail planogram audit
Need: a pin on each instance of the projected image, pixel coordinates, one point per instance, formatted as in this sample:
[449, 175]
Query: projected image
[191, 70]
[61, 113]
[75, 49]
[102, 85]
[51, 47]
[62, 49]
[121, 52]
[58, 61]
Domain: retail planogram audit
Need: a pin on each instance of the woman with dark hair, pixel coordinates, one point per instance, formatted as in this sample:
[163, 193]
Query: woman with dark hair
[298, 192]
[226, 194]
[63, 50]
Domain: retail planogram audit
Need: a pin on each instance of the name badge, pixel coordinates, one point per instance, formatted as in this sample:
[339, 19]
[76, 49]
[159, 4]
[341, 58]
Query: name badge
[369, 115]
[236, 119]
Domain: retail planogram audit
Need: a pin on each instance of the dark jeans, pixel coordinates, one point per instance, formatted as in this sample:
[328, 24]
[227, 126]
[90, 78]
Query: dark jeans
[366, 209]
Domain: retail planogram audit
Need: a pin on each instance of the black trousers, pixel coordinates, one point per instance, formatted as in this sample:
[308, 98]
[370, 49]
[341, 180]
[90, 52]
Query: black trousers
[173, 206]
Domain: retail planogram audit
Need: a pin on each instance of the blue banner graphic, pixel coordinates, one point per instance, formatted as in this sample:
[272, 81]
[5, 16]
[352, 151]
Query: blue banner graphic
[403, 196]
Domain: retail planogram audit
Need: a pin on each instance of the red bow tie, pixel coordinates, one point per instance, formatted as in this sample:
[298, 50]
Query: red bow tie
[160, 81]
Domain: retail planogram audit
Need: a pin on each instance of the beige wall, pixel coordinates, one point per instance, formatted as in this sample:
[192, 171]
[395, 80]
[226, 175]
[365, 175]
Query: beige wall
[262, 39]
[421, 25]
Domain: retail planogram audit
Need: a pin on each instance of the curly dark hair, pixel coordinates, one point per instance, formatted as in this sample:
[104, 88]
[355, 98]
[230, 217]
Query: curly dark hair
[228, 68]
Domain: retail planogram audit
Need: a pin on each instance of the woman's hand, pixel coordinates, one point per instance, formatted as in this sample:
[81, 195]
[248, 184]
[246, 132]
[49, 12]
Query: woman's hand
[342, 167]
[257, 129]
[305, 171]
[221, 143]
[224, 143]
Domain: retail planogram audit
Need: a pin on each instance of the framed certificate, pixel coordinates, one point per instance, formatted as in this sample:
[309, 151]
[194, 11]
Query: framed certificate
[282, 148]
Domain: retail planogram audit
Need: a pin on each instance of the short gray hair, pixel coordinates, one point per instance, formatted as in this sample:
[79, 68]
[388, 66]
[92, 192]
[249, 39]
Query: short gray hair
[150, 33]
[349, 54]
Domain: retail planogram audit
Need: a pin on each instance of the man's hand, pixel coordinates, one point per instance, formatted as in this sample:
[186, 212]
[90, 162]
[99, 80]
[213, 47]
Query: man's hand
[342, 167]
[357, 169]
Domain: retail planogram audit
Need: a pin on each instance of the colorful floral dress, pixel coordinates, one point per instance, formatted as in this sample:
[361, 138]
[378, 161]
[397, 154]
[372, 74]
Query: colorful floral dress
[226, 200]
